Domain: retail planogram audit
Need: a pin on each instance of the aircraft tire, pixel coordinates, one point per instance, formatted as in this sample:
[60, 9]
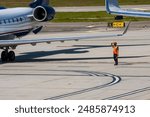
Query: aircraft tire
[11, 56]
[4, 56]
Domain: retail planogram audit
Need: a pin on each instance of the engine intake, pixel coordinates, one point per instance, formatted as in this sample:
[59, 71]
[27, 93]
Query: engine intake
[43, 13]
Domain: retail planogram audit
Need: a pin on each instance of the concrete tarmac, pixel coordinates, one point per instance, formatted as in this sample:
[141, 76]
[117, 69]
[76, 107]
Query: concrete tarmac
[80, 70]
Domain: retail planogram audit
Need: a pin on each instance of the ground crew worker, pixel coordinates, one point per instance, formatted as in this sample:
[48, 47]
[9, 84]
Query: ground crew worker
[115, 52]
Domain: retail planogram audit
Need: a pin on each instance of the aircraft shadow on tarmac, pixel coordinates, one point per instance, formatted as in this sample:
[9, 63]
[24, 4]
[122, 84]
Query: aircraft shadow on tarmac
[77, 49]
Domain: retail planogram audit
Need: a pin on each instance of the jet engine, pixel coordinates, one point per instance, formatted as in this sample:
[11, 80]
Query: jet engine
[43, 13]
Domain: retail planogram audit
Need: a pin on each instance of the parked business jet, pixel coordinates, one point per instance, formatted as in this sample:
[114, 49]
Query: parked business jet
[112, 7]
[18, 22]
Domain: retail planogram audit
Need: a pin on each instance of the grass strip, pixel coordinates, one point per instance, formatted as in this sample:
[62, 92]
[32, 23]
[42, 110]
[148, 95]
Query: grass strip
[17, 3]
[100, 16]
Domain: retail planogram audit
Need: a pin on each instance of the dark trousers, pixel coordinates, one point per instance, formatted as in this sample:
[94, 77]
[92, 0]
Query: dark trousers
[116, 59]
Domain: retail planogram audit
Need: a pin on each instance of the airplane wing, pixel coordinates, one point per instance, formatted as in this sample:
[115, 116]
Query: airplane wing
[112, 7]
[15, 43]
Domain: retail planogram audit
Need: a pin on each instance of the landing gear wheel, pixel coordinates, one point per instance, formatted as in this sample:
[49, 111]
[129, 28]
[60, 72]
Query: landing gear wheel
[11, 56]
[7, 56]
[4, 56]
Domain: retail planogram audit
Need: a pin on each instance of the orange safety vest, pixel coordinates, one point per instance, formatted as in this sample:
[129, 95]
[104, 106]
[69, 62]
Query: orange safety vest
[116, 50]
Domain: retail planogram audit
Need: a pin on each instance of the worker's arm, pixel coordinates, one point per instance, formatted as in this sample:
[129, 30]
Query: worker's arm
[112, 44]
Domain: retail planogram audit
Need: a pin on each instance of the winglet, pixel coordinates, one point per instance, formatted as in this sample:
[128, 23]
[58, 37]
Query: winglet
[125, 31]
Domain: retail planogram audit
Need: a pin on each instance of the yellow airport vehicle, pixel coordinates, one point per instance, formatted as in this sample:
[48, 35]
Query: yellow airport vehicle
[116, 24]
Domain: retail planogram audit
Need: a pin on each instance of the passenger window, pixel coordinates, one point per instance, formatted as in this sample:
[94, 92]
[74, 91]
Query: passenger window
[11, 20]
[8, 21]
[21, 19]
[2, 21]
[15, 20]
[5, 21]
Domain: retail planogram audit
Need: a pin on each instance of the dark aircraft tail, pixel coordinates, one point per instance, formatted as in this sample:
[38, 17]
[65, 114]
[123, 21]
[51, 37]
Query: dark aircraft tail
[36, 3]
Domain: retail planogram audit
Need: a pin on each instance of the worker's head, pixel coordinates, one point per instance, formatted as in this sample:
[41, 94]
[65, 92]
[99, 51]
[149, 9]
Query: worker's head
[115, 43]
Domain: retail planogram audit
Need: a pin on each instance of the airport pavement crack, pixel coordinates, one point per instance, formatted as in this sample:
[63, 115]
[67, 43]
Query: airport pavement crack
[115, 79]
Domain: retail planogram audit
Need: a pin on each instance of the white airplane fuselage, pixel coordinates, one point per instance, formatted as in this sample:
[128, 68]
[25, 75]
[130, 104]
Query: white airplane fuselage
[15, 20]
[18, 22]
